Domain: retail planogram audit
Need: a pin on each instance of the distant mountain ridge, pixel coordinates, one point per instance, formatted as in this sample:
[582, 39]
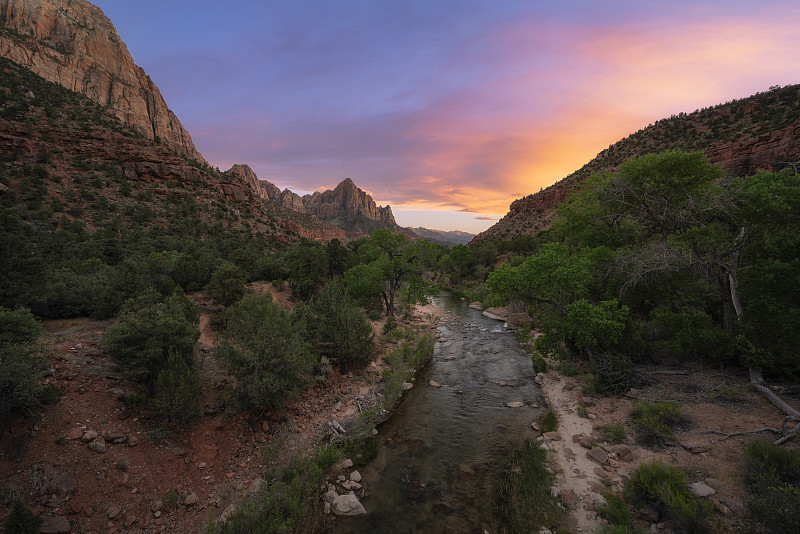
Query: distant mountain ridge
[743, 136]
[443, 237]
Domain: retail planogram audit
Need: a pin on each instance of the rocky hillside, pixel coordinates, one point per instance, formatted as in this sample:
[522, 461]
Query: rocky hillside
[761, 132]
[442, 237]
[72, 43]
[64, 158]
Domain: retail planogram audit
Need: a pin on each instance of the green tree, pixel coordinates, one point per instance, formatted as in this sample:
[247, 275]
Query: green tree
[227, 284]
[391, 261]
[20, 362]
[177, 392]
[148, 328]
[307, 264]
[266, 349]
[339, 327]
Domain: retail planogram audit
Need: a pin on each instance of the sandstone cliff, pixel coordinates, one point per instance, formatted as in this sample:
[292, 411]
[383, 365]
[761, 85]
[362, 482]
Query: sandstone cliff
[347, 201]
[72, 43]
[760, 132]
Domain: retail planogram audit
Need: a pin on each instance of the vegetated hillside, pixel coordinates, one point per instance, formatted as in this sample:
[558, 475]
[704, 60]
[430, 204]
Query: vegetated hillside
[65, 158]
[761, 132]
[72, 43]
[443, 237]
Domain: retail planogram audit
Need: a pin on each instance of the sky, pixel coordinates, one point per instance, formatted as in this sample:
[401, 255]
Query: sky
[446, 110]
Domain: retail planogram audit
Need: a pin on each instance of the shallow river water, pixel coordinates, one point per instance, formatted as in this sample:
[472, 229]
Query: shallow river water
[440, 455]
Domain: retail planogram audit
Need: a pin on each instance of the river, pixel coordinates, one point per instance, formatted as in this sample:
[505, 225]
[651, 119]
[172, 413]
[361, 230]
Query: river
[441, 454]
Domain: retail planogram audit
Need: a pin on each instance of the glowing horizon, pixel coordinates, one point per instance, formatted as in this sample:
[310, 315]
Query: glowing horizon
[447, 114]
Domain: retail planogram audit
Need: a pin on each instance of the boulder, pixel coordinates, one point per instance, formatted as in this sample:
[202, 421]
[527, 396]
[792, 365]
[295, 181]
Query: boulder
[476, 305]
[598, 455]
[355, 476]
[498, 313]
[701, 489]
[347, 505]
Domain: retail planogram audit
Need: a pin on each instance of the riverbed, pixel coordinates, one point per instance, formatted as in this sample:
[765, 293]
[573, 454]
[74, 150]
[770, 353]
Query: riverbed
[441, 454]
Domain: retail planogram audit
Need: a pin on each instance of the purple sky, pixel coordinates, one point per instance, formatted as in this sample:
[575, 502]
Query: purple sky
[447, 110]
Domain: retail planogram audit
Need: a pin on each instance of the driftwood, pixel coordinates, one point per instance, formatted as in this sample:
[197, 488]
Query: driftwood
[726, 436]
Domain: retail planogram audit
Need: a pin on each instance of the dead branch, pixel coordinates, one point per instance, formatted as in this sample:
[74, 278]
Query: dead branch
[757, 431]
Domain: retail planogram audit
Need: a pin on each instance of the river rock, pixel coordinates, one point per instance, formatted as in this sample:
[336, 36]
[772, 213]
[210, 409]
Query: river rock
[515, 404]
[355, 476]
[347, 505]
[407, 385]
[598, 455]
[498, 314]
[435, 384]
[347, 463]
[552, 436]
[476, 305]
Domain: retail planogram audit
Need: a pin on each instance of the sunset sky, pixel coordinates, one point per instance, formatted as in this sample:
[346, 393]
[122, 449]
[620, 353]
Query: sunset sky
[447, 110]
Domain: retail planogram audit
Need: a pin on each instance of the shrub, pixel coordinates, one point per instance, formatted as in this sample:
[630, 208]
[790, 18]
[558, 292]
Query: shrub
[656, 422]
[18, 327]
[340, 328]
[328, 456]
[266, 350]
[614, 432]
[524, 499]
[177, 392]
[19, 366]
[773, 479]
[615, 509]
[227, 284]
[21, 520]
[549, 422]
[665, 487]
[148, 329]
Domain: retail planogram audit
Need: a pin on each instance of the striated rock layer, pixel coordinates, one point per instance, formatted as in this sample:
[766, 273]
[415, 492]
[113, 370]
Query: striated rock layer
[72, 43]
[347, 201]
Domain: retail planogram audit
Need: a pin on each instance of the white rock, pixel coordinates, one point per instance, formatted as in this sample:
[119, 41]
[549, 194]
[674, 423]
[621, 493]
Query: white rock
[435, 384]
[347, 463]
[701, 489]
[407, 385]
[347, 505]
[355, 476]
[515, 404]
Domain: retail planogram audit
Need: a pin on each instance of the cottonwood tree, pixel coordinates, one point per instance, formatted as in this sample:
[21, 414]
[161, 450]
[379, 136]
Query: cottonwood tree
[391, 262]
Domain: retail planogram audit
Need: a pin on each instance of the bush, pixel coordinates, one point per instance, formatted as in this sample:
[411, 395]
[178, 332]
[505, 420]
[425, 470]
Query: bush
[328, 456]
[655, 422]
[524, 499]
[227, 284]
[549, 422]
[266, 350]
[665, 488]
[177, 392]
[18, 327]
[614, 432]
[615, 509]
[340, 328]
[148, 329]
[21, 520]
[773, 479]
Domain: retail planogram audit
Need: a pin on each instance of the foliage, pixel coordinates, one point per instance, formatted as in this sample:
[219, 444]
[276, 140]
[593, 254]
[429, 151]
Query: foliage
[177, 393]
[18, 326]
[267, 351]
[20, 363]
[390, 262]
[665, 487]
[524, 500]
[328, 456]
[227, 284]
[615, 510]
[773, 481]
[149, 328]
[307, 264]
[655, 422]
[21, 520]
[612, 432]
[339, 327]
[288, 503]
[549, 422]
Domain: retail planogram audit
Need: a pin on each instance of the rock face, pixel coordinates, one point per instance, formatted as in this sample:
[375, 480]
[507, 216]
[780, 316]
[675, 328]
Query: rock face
[261, 188]
[72, 43]
[347, 201]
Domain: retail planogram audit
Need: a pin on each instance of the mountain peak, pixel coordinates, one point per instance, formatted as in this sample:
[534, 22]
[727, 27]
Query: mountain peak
[72, 43]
